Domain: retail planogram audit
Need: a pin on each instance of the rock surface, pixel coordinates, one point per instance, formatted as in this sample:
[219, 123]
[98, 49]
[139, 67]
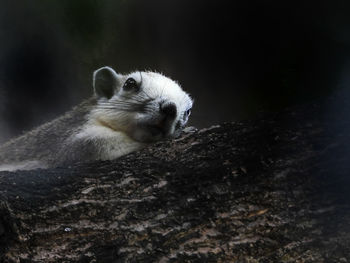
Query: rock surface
[274, 189]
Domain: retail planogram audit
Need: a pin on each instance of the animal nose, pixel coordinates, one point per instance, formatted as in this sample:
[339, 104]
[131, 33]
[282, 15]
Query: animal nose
[168, 109]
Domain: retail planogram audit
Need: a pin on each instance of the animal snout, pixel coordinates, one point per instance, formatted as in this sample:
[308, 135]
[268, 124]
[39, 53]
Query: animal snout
[168, 109]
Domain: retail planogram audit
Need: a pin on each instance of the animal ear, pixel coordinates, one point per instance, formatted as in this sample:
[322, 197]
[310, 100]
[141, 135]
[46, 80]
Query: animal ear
[105, 82]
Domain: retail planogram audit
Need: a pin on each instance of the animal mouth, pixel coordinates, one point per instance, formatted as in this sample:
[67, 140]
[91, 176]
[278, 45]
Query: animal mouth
[156, 130]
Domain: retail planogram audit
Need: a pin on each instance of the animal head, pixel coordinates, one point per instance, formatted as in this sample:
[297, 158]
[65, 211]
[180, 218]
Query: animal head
[147, 106]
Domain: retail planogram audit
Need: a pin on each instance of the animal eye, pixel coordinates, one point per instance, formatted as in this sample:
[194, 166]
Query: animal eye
[131, 85]
[188, 112]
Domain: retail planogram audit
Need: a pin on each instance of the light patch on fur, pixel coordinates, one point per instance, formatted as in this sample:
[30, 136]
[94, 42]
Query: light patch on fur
[112, 144]
[94, 130]
[28, 165]
[158, 85]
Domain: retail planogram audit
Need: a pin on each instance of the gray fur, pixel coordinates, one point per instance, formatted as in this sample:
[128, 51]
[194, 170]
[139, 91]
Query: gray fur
[45, 143]
[126, 113]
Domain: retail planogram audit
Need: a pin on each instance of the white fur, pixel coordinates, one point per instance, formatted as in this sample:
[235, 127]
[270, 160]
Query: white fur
[121, 131]
[155, 86]
[115, 143]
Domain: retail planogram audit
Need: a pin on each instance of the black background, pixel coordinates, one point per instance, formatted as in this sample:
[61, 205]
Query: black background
[236, 58]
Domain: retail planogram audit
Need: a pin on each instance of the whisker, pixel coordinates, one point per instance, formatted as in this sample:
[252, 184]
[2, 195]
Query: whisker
[146, 95]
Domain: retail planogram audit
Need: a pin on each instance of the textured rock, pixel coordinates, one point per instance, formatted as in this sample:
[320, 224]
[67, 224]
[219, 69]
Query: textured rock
[274, 189]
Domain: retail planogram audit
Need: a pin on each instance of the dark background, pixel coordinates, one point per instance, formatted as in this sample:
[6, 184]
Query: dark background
[236, 58]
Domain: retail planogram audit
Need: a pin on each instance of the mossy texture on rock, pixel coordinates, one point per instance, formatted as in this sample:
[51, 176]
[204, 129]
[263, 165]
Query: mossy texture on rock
[269, 190]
